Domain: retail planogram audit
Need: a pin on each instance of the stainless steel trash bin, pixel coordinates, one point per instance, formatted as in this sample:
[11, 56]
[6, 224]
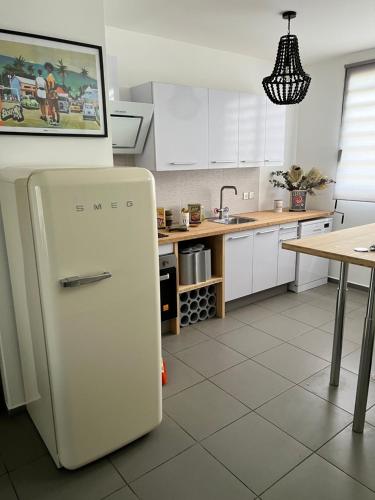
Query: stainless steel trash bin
[194, 265]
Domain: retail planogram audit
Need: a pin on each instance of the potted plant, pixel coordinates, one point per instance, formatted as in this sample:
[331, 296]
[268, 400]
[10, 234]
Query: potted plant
[299, 184]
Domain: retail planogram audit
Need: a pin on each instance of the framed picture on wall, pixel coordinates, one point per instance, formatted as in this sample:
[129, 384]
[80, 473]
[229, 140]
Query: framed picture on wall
[51, 86]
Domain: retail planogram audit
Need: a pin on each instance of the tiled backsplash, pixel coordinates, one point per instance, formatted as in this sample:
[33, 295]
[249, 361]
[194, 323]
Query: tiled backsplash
[175, 190]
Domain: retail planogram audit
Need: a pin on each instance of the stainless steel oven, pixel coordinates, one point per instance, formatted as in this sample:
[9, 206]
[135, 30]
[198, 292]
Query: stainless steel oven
[168, 286]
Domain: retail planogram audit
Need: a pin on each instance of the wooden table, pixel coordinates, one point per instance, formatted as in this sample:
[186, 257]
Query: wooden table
[339, 246]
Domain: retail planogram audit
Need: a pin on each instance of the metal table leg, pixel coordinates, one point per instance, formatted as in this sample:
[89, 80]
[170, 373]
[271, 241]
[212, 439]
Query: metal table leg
[366, 359]
[339, 325]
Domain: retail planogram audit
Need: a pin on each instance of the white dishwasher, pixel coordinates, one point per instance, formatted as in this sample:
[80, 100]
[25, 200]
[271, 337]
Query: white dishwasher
[311, 271]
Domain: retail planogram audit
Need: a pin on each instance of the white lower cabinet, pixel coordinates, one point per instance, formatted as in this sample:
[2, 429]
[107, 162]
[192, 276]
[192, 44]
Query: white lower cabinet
[265, 258]
[256, 261]
[286, 266]
[238, 264]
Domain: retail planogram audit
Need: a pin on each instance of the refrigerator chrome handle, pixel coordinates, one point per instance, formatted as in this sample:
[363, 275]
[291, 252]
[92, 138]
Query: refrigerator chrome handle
[73, 281]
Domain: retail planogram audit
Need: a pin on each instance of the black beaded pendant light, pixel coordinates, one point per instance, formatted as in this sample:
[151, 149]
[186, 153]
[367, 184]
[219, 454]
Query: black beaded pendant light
[288, 83]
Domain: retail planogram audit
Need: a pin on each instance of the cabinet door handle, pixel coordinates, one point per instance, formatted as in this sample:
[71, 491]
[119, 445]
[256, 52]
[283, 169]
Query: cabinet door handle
[74, 281]
[318, 230]
[182, 163]
[282, 228]
[164, 277]
[288, 239]
[223, 161]
[267, 232]
[252, 161]
[239, 237]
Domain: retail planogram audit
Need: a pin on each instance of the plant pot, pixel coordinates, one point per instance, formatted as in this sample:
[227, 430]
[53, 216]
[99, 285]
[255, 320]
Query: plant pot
[298, 200]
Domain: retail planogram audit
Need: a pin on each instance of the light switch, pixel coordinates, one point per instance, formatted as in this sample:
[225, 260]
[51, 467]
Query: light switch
[251, 195]
[245, 195]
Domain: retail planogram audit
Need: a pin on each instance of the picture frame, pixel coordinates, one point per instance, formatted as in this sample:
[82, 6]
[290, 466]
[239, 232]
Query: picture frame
[51, 86]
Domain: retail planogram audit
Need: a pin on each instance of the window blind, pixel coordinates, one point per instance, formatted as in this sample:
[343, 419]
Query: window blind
[356, 168]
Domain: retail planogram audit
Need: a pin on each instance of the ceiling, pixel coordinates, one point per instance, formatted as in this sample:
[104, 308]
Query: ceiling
[325, 28]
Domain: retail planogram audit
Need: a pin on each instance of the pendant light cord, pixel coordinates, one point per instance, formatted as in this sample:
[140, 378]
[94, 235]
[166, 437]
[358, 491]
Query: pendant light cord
[288, 25]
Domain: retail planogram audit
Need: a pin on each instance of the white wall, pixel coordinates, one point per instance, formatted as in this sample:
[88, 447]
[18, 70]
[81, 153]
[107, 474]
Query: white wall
[142, 58]
[317, 142]
[81, 21]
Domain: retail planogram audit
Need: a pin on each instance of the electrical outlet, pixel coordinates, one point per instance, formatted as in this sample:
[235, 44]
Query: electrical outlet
[245, 196]
[251, 195]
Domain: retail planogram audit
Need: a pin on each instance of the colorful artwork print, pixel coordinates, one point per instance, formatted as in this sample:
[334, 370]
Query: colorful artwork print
[50, 86]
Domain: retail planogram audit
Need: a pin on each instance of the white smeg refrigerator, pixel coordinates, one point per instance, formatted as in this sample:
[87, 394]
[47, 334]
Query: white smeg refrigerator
[82, 251]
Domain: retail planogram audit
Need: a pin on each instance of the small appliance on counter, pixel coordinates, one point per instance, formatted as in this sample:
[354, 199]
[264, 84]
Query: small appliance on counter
[194, 264]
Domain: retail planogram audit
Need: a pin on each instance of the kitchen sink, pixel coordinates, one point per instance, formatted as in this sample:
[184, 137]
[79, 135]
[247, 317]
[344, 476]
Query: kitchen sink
[232, 219]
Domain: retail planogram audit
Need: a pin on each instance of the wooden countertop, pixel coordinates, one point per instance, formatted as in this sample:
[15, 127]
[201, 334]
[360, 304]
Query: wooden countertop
[339, 245]
[263, 219]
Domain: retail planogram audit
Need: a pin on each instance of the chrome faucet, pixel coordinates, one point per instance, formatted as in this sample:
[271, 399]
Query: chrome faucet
[221, 211]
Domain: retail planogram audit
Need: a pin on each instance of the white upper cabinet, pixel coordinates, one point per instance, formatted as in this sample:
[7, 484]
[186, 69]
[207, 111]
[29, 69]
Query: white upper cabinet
[275, 134]
[197, 128]
[223, 128]
[252, 130]
[179, 137]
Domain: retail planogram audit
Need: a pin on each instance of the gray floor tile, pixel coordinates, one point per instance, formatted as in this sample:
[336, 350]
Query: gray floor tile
[255, 451]
[351, 361]
[218, 326]
[180, 376]
[249, 314]
[209, 358]
[281, 302]
[203, 409]
[315, 293]
[123, 494]
[165, 442]
[282, 327]
[354, 454]
[43, 481]
[301, 414]
[329, 304]
[358, 296]
[343, 395]
[320, 343]
[314, 316]
[20, 441]
[370, 416]
[251, 383]
[6, 489]
[353, 329]
[316, 479]
[291, 362]
[358, 313]
[188, 337]
[192, 475]
[329, 289]
[249, 341]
